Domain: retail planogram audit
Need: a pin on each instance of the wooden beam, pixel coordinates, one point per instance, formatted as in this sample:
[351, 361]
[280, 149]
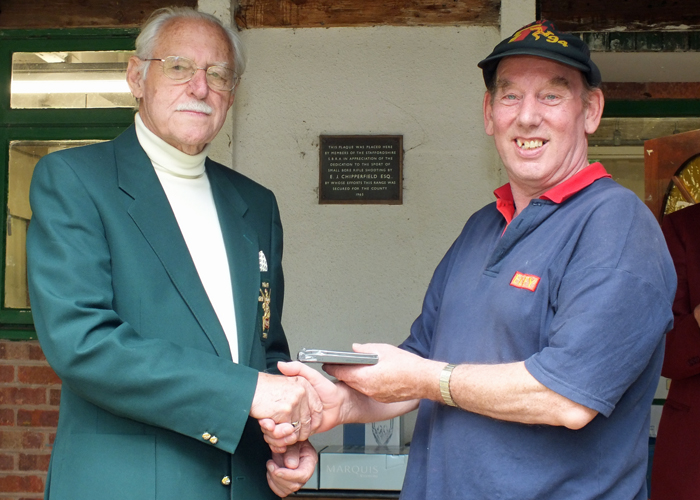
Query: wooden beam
[42, 14]
[632, 15]
[336, 13]
[643, 91]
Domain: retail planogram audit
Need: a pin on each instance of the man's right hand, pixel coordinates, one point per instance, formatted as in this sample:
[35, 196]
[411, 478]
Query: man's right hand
[287, 400]
[280, 435]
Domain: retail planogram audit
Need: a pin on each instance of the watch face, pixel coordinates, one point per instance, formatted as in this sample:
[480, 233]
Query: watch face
[684, 190]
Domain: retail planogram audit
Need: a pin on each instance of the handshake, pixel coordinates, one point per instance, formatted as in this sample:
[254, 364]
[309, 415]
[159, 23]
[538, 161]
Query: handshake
[290, 409]
[302, 402]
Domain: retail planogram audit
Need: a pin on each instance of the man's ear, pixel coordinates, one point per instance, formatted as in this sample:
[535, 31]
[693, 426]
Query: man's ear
[134, 76]
[488, 114]
[232, 97]
[594, 111]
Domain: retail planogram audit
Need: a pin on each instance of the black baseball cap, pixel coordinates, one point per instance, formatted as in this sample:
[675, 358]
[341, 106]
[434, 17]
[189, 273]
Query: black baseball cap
[542, 39]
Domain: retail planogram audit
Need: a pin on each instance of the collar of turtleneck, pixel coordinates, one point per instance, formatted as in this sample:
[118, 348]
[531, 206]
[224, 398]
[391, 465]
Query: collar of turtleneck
[167, 158]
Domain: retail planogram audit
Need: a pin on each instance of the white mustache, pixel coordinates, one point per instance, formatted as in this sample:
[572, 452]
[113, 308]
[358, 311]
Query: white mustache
[197, 106]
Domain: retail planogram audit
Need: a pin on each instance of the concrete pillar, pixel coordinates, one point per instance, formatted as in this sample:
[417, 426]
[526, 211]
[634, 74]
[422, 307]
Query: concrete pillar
[221, 146]
[515, 14]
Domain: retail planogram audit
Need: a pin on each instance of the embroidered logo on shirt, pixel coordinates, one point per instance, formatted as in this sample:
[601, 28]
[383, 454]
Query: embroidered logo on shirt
[525, 281]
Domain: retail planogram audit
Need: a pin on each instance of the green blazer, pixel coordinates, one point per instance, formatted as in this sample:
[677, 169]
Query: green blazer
[152, 407]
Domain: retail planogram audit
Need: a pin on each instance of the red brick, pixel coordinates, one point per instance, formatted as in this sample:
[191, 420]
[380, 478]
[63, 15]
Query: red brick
[7, 374]
[21, 440]
[34, 463]
[37, 375]
[37, 418]
[7, 416]
[21, 484]
[35, 352]
[52, 438]
[7, 462]
[11, 440]
[54, 397]
[24, 418]
[49, 418]
[14, 350]
[22, 396]
[32, 440]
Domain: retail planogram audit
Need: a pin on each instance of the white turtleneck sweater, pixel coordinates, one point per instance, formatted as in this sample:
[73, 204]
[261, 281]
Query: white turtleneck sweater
[186, 185]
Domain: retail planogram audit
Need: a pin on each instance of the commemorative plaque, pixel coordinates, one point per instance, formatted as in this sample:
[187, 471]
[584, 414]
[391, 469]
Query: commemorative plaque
[361, 169]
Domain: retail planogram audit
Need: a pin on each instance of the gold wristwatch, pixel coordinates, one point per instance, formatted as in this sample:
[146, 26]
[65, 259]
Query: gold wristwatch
[445, 375]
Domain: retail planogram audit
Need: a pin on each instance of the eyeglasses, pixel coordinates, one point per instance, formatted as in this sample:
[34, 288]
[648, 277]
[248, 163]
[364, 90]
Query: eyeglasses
[183, 70]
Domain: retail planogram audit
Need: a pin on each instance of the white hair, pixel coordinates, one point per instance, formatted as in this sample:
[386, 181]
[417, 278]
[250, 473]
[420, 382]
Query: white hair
[151, 30]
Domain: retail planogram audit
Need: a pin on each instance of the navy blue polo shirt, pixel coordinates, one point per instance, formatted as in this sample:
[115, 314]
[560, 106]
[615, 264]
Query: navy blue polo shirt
[579, 285]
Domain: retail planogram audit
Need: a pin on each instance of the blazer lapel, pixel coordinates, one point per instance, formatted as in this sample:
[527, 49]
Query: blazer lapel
[242, 249]
[151, 212]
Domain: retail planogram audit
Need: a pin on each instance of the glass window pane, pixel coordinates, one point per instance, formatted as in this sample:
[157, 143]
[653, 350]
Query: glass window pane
[619, 145]
[23, 158]
[52, 80]
[634, 131]
[624, 163]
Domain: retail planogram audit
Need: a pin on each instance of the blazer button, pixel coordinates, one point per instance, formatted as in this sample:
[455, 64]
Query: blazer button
[213, 440]
[206, 436]
[226, 480]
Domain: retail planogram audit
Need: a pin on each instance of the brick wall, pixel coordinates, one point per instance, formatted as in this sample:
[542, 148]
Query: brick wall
[29, 395]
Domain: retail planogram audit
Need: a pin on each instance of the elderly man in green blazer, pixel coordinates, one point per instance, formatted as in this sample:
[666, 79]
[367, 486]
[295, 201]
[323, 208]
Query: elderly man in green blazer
[156, 286]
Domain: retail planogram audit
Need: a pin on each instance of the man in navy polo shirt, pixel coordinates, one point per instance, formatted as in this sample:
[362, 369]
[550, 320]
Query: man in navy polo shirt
[538, 350]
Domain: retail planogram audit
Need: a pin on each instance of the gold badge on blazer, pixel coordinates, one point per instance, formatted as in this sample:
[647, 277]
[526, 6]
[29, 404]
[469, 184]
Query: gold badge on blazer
[264, 300]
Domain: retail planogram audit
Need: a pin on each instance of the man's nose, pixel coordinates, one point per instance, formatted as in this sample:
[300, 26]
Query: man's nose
[198, 84]
[530, 113]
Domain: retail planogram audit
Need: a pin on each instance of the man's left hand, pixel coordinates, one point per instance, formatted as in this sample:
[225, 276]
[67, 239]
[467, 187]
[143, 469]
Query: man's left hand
[289, 471]
[398, 376]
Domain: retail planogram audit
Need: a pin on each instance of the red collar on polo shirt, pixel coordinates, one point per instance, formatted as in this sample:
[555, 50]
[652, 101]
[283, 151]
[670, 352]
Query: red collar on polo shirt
[558, 194]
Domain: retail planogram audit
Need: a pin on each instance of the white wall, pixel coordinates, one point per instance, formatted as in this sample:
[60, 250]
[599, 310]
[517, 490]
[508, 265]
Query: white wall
[358, 273]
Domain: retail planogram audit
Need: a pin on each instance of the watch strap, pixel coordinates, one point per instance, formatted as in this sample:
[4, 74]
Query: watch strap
[445, 375]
